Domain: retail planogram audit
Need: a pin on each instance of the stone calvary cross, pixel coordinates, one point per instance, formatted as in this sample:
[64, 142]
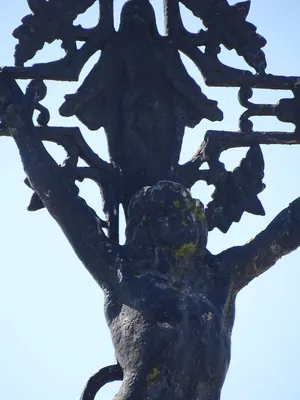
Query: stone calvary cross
[169, 302]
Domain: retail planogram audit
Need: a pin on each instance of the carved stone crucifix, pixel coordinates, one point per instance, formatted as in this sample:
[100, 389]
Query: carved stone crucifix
[169, 301]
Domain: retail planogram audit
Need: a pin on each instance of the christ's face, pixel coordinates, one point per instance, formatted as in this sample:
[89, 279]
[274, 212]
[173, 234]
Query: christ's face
[171, 225]
[166, 219]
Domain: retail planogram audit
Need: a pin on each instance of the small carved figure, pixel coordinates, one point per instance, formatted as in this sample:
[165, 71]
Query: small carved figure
[142, 95]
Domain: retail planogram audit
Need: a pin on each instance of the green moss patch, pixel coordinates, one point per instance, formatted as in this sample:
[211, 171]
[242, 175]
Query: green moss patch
[185, 250]
[153, 374]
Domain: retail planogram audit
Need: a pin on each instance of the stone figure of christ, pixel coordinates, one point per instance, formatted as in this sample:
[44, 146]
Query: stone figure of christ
[169, 302]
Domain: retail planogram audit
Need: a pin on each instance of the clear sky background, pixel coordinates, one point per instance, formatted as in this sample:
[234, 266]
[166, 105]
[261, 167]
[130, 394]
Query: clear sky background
[53, 334]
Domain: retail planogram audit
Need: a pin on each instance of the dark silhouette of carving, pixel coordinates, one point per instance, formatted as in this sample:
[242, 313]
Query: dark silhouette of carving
[139, 113]
[169, 302]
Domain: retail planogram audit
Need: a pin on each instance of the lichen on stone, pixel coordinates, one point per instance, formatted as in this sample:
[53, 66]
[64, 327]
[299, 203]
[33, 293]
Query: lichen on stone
[185, 250]
[199, 212]
[209, 316]
[178, 204]
[192, 205]
[153, 374]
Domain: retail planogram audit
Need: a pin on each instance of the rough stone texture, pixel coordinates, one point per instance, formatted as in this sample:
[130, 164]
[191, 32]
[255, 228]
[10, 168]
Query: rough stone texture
[169, 302]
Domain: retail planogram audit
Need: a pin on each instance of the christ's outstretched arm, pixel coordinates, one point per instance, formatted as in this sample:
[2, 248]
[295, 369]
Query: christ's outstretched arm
[58, 192]
[281, 237]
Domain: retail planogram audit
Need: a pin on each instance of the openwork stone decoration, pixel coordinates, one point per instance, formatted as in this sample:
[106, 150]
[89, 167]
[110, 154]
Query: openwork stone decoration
[169, 302]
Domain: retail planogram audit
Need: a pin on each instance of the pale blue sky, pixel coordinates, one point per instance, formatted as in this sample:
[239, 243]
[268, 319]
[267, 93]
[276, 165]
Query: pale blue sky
[53, 334]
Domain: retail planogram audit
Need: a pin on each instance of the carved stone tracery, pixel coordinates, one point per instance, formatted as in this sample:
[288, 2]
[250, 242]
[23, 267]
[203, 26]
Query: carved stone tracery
[140, 92]
[152, 113]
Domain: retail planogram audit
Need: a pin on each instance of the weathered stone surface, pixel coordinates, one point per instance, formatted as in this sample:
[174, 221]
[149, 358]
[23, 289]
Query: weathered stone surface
[169, 302]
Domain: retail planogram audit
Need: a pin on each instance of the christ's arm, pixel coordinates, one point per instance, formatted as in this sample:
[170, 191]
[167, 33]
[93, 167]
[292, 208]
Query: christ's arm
[58, 193]
[281, 237]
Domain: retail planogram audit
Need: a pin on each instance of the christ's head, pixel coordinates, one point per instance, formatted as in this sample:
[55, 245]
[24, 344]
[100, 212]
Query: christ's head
[165, 215]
